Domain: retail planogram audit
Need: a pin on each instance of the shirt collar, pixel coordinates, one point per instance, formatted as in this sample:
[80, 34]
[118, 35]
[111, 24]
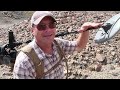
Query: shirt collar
[37, 49]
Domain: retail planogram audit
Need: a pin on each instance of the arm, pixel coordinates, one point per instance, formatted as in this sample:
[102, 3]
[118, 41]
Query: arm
[84, 35]
[82, 40]
[70, 46]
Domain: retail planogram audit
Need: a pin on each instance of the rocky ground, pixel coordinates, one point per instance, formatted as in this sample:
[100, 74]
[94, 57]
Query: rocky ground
[96, 61]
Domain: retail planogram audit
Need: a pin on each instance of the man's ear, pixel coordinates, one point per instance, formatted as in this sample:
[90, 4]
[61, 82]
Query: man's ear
[30, 27]
[32, 30]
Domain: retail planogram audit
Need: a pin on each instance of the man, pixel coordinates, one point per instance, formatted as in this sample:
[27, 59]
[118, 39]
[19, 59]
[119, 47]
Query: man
[43, 28]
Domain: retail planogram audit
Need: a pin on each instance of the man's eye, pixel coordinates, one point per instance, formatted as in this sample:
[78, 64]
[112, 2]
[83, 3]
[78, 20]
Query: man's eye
[52, 25]
[41, 27]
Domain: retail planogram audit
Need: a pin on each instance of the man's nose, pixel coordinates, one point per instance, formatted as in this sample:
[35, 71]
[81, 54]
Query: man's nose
[47, 27]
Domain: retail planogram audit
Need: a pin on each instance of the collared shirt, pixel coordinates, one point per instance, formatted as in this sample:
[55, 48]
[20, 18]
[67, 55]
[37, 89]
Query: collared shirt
[24, 68]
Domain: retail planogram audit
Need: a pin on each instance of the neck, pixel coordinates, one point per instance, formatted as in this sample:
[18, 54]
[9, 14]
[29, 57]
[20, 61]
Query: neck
[46, 47]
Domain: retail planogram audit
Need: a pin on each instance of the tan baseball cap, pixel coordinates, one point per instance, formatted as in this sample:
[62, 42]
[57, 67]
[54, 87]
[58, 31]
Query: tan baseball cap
[39, 15]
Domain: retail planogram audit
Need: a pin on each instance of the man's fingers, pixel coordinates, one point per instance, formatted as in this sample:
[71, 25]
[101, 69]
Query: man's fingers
[89, 26]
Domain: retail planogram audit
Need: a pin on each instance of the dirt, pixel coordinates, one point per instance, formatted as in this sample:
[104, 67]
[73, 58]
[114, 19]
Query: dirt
[9, 18]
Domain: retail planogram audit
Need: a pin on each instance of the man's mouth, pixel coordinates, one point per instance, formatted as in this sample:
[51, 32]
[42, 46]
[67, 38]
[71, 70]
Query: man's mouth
[48, 35]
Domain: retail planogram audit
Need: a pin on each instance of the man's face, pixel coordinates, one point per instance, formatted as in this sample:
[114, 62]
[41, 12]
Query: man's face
[45, 31]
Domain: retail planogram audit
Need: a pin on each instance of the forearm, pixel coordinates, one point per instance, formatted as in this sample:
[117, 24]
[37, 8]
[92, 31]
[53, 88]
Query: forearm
[82, 40]
[84, 35]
